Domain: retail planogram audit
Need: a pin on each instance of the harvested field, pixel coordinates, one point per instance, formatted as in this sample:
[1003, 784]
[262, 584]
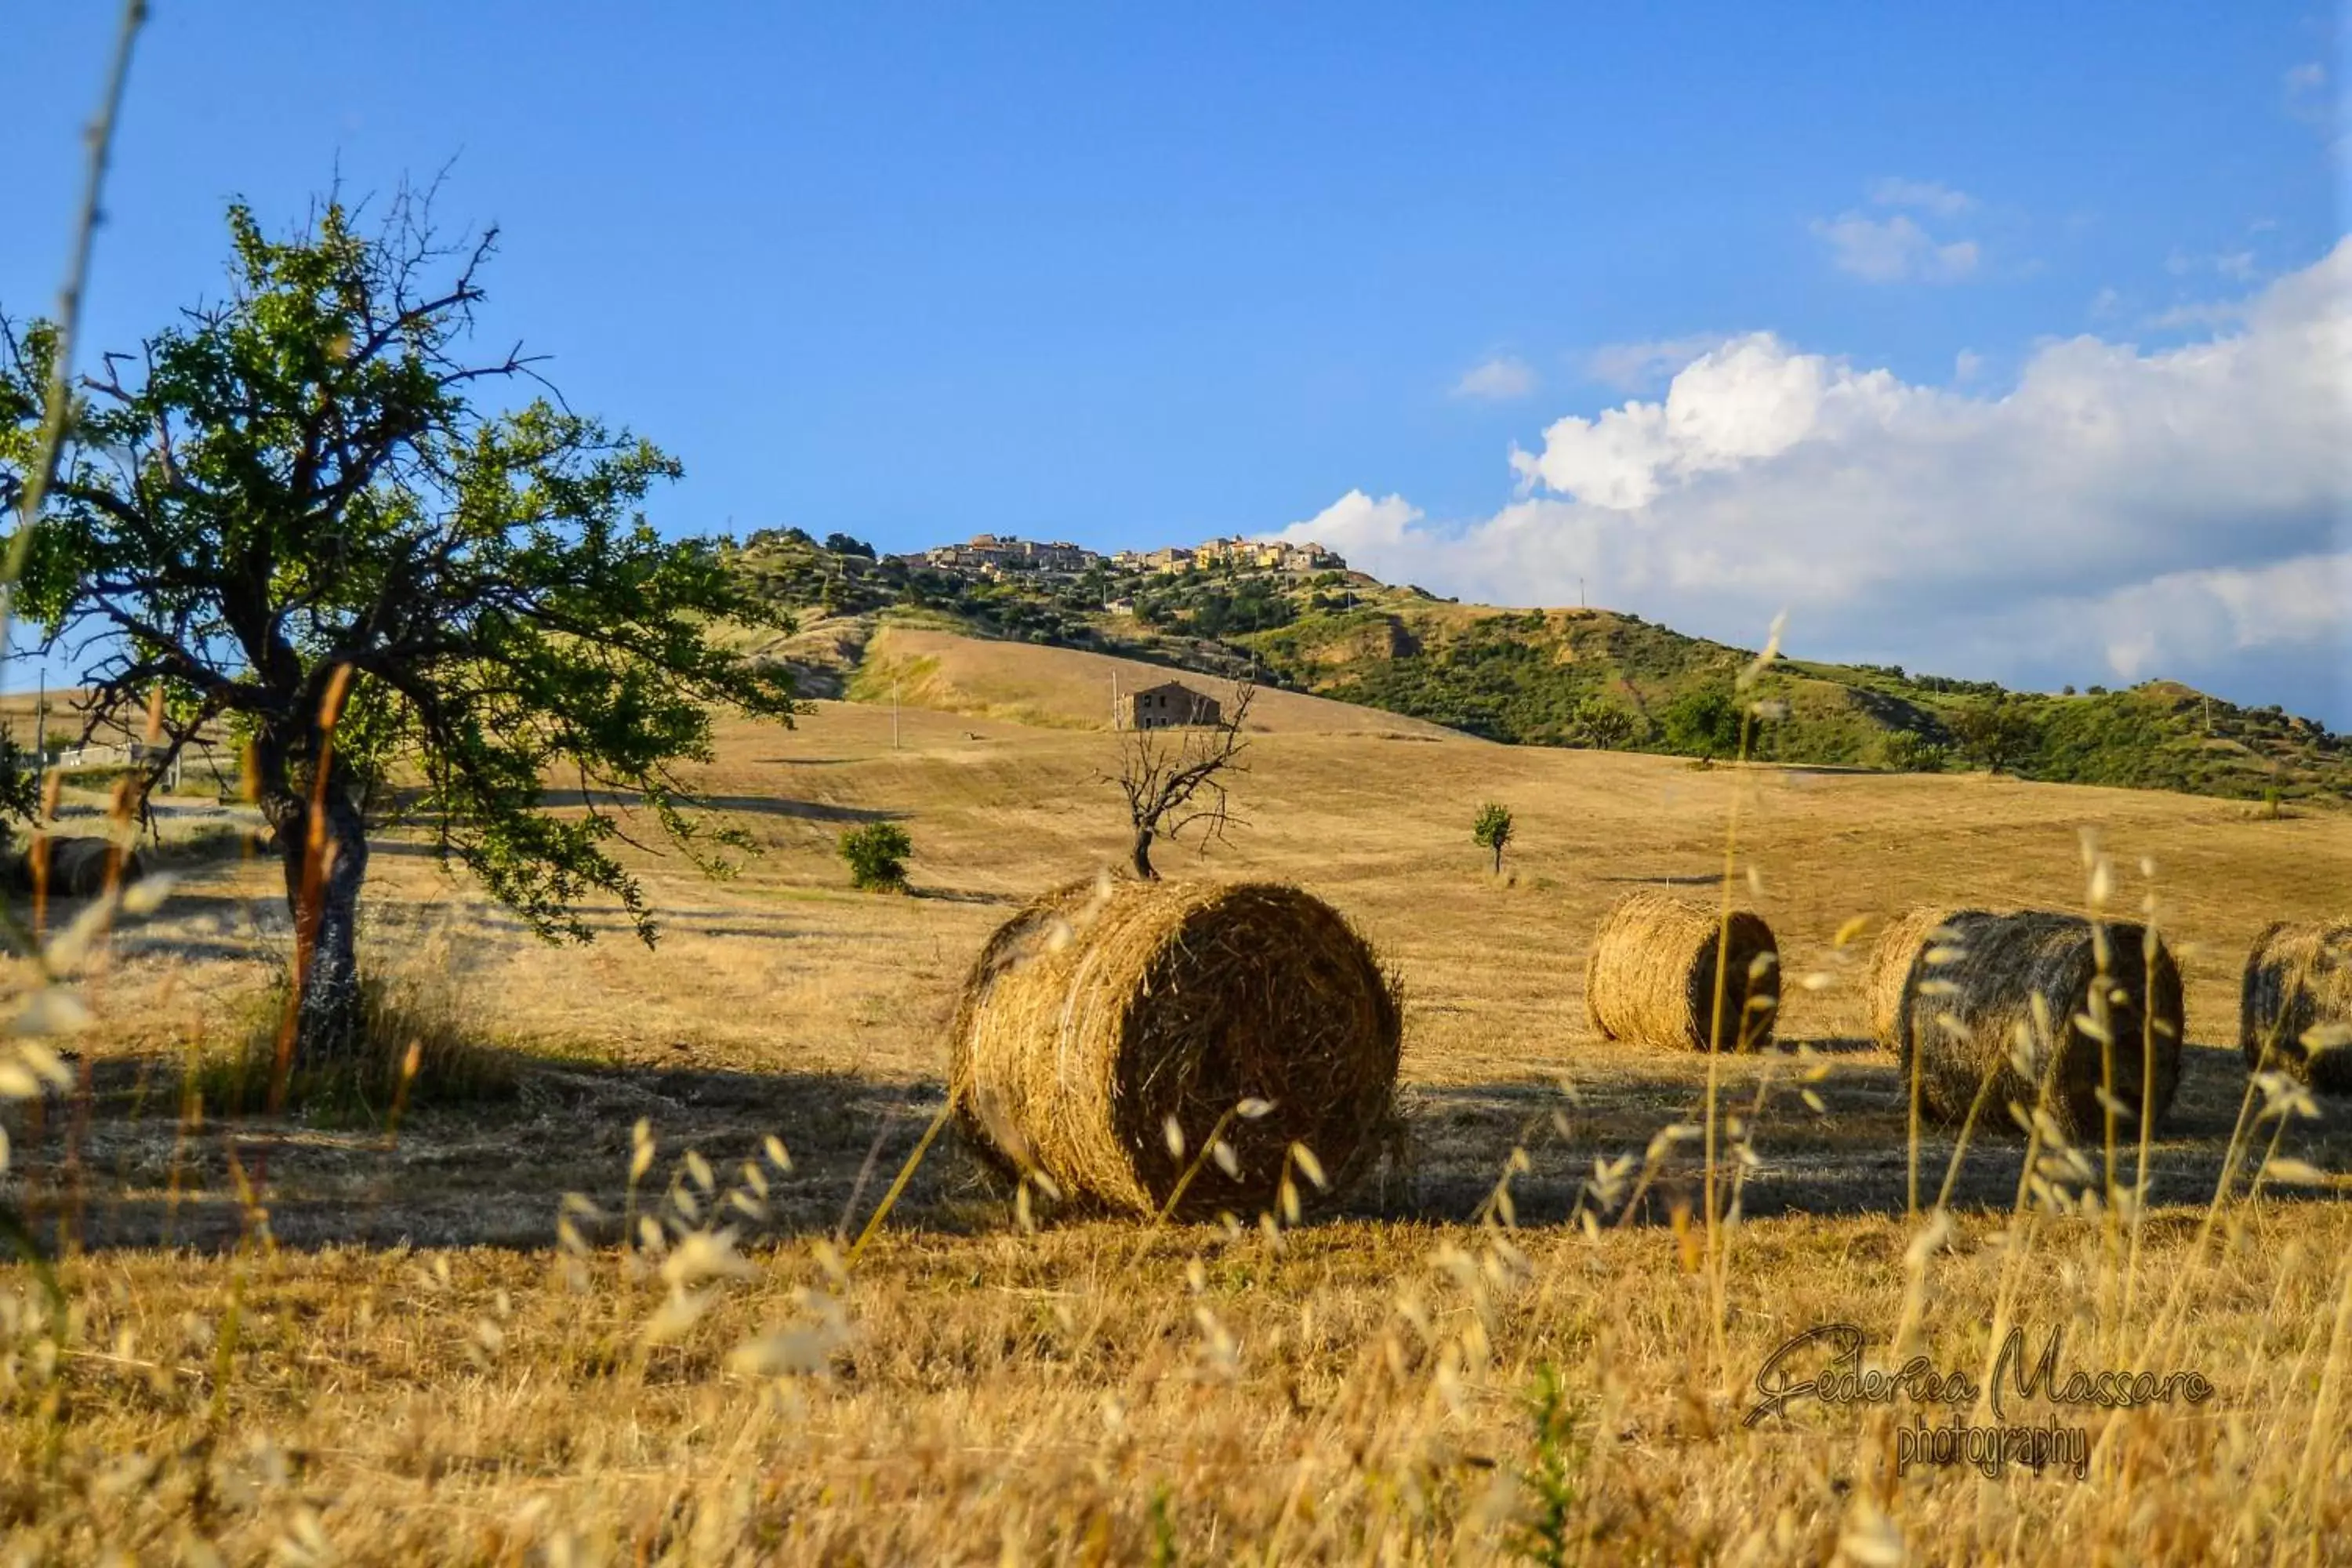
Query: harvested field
[416, 1360]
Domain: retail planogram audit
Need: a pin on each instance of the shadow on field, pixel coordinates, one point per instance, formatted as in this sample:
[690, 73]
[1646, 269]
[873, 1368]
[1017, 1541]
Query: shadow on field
[1696, 879]
[963, 896]
[751, 804]
[1850, 1156]
[494, 1175]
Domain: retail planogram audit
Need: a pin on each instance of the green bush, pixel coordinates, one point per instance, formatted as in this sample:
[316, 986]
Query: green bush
[1703, 723]
[1909, 752]
[876, 853]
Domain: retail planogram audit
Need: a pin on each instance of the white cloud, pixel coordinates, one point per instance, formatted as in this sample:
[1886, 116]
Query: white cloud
[1968, 364]
[2117, 511]
[1893, 249]
[2208, 614]
[1497, 381]
[1923, 195]
[1638, 367]
[1371, 524]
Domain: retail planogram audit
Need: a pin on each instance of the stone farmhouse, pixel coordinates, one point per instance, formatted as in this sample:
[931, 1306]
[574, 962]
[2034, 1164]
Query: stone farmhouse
[1171, 705]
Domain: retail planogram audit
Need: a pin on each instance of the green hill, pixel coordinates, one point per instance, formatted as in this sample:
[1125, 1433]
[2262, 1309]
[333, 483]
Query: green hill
[1564, 677]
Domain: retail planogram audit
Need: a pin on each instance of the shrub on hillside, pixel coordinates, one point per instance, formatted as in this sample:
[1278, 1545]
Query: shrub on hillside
[1909, 752]
[876, 854]
[1703, 723]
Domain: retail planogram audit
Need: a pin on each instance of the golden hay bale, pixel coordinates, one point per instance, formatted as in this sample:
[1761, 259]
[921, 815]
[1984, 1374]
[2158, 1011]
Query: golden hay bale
[1652, 975]
[1979, 983]
[2299, 979]
[1108, 1007]
[77, 867]
[1887, 980]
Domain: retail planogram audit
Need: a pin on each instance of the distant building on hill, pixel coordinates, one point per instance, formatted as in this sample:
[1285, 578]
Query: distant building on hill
[1266, 555]
[987, 555]
[1171, 705]
[993, 555]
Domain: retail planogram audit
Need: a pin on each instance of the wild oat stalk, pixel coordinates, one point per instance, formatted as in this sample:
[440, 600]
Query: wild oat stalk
[1717, 1287]
[55, 420]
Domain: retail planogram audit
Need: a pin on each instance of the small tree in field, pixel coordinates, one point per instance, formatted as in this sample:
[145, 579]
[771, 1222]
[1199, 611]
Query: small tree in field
[1993, 731]
[876, 853]
[287, 512]
[1175, 779]
[1492, 830]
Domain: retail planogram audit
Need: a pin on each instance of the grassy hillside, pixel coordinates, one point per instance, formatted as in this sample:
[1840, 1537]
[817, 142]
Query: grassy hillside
[1589, 677]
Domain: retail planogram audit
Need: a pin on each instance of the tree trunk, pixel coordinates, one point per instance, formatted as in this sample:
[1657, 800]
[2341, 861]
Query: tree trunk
[1499, 857]
[1142, 855]
[328, 1021]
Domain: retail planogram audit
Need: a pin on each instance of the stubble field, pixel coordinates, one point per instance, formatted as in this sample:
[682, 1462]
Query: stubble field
[355, 1342]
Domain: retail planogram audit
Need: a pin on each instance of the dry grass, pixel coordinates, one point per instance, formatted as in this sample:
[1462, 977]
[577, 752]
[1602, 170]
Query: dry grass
[378, 1350]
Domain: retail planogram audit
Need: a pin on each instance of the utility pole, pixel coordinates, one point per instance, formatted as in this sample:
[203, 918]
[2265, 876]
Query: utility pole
[1115, 724]
[41, 728]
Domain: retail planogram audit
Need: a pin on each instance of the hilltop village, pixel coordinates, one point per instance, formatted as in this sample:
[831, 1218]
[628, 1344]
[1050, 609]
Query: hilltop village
[991, 556]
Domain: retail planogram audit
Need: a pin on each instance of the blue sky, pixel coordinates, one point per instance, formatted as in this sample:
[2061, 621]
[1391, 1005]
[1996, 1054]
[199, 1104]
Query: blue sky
[1134, 277]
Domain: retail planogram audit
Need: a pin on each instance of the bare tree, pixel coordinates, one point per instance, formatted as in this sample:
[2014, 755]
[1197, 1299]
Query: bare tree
[1174, 779]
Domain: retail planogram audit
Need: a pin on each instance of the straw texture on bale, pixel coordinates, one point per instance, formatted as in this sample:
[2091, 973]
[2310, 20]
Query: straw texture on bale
[77, 868]
[1652, 976]
[1108, 1007]
[1894, 959]
[1978, 982]
[2299, 980]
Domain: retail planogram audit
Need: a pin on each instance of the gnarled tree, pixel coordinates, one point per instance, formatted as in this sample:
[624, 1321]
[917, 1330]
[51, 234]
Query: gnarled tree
[289, 512]
[1173, 779]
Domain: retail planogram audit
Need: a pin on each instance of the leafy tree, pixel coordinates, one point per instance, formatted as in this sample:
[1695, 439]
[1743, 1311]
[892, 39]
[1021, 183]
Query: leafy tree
[1993, 731]
[1602, 725]
[287, 510]
[1492, 830]
[1703, 723]
[876, 853]
[843, 544]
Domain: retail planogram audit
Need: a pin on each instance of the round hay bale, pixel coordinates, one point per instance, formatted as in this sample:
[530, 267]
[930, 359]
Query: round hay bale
[2298, 979]
[1106, 1008]
[1887, 980]
[77, 867]
[1652, 976]
[1971, 994]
